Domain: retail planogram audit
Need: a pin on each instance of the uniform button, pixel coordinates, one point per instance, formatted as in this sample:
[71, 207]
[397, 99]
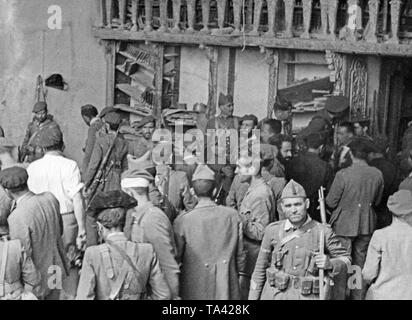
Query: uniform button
[206, 265]
[359, 205]
[297, 247]
[294, 268]
[309, 230]
[224, 261]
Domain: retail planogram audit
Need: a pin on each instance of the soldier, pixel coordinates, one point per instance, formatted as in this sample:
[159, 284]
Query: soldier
[388, 268]
[119, 269]
[18, 275]
[289, 259]
[148, 224]
[238, 188]
[139, 147]
[30, 149]
[117, 162]
[209, 245]
[230, 124]
[37, 223]
[309, 170]
[90, 116]
[255, 212]
[361, 129]
[354, 193]
[324, 121]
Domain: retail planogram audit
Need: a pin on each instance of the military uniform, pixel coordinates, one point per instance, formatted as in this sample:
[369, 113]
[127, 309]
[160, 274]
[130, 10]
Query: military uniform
[16, 270]
[286, 269]
[210, 248]
[115, 166]
[176, 195]
[139, 146]
[148, 224]
[33, 135]
[312, 173]
[255, 213]
[106, 275]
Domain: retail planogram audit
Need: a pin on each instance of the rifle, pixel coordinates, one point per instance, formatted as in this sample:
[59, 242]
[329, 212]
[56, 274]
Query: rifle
[218, 194]
[322, 278]
[99, 177]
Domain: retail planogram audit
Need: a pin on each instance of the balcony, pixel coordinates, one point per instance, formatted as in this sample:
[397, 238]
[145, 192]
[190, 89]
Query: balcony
[353, 26]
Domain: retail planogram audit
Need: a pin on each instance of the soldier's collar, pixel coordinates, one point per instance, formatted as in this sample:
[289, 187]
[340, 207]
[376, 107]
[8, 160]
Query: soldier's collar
[289, 225]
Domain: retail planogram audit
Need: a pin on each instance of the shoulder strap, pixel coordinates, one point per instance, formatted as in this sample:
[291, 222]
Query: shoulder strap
[3, 267]
[124, 255]
[107, 262]
[114, 292]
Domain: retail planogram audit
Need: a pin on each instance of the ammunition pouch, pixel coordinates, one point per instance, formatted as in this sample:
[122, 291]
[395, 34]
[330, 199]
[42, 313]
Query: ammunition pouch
[277, 279]
[306, 286]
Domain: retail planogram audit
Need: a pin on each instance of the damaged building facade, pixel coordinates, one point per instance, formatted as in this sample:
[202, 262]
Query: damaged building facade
[172, 54]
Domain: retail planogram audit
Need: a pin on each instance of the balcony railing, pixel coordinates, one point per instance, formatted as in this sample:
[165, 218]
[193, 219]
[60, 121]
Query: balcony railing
[372, 21]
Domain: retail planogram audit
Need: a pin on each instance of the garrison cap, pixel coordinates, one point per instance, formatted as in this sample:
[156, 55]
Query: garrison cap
[50, 137]
[14, 177]
[400, 203]
[112, 118]
[110, 200]
[337, 104]
[6, 143]
[293, 190]
[40, 106]
[144, 121]
[203, 172]
[136, 178]
[106, 111]
[225, 99]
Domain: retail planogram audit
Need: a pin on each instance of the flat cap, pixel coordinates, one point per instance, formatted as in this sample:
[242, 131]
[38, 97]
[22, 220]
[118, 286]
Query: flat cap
[400, 203]
[50, 137]
[40, 106]
[293, 190]
[225, 99]
[136, 178]
[109, 200]
[14, 177]
[6, 143]
[337, 104]
[144, 121]
[203, 172]
[112, 118]
[106, 111]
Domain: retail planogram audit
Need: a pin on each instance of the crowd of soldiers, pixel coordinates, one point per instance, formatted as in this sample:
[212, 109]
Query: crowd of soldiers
[321, 215]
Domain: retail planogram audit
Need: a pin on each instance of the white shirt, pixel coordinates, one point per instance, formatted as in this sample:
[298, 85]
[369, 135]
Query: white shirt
[56, 174]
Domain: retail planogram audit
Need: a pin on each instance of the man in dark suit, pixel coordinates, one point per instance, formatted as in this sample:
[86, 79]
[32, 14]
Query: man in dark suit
[37, 223]
[311, 172]
[355, 192]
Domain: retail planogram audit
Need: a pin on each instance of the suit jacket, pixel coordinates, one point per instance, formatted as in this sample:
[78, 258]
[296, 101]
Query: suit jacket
[388, 265]
[148, 224]
[95, 126]
[210, 248]
[20, 269]
[37, 223]
[353, 195]
[95, 284]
